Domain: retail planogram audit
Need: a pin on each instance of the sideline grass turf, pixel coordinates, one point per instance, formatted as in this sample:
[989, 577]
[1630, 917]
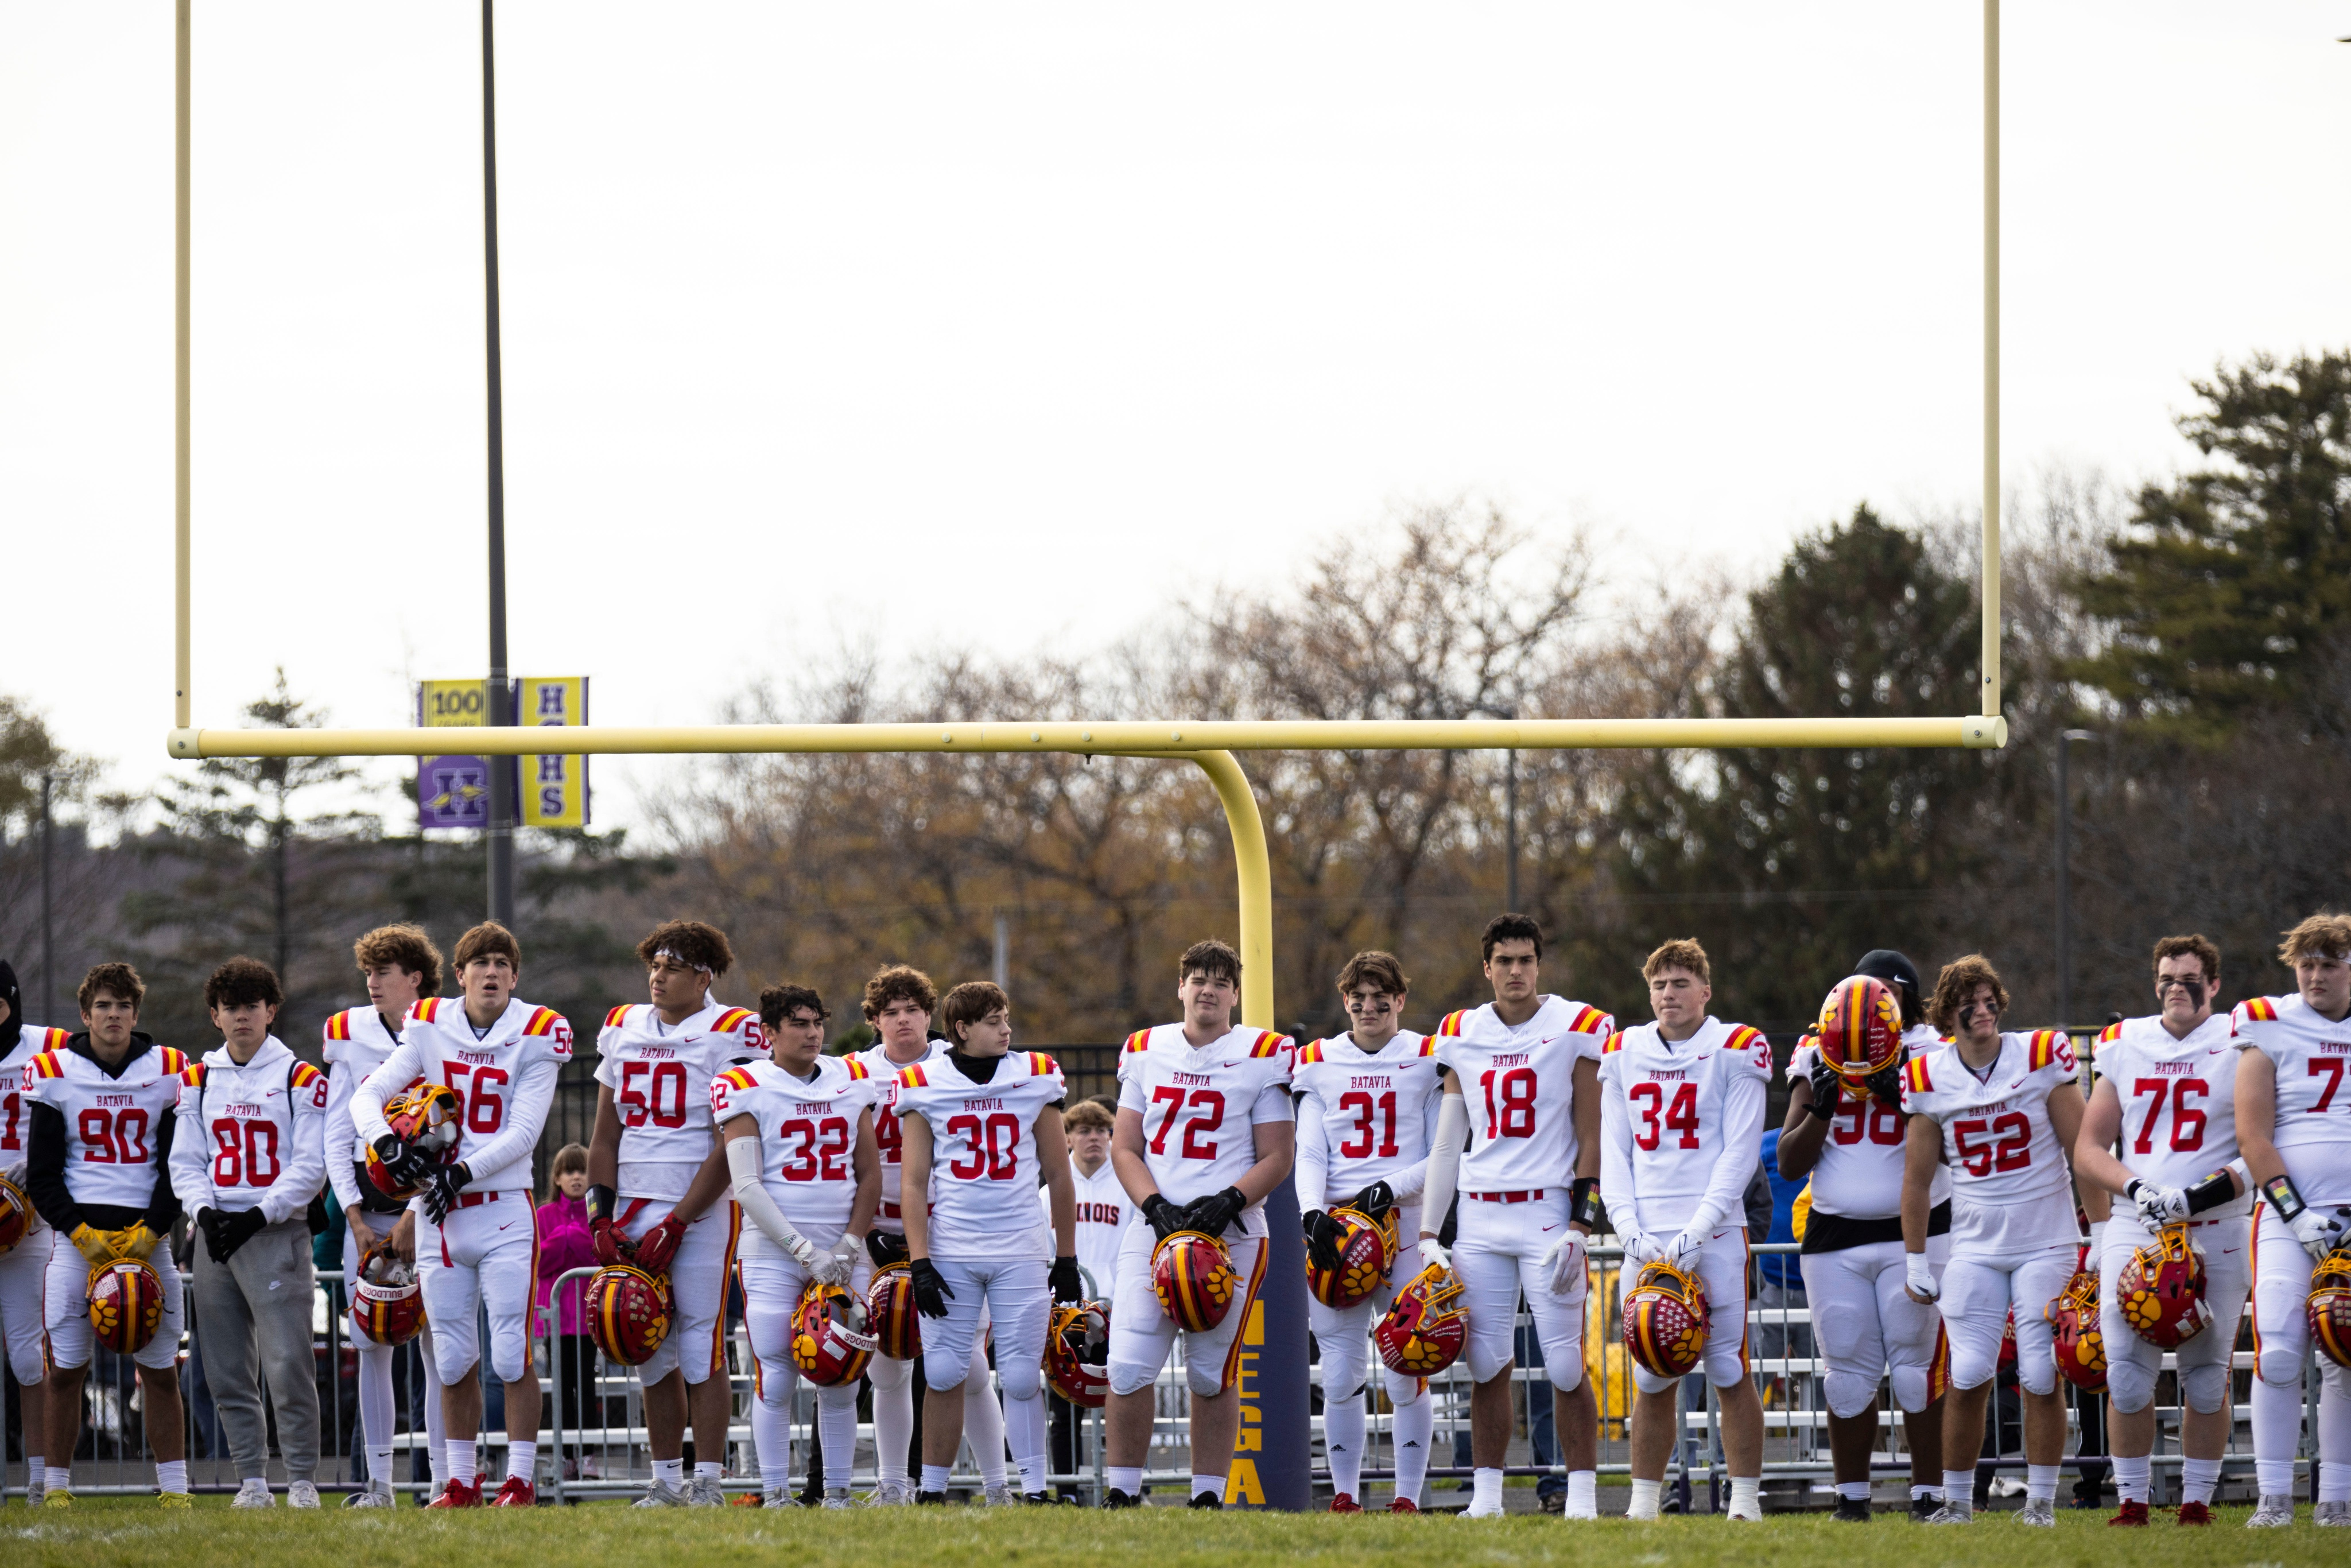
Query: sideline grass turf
[130, 1532]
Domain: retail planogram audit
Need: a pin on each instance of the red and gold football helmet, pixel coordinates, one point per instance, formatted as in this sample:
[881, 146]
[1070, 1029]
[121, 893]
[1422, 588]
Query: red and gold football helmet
[2161, 1290]
[16, 1216]
[1367, 1250]
[387, 1304]
[889, 1306]
[1860, 1031]
[1077, 1350]
[427, 1116]
[1194, 1277]
[1424, 1331]
[2328, 1307]
[126, 1304]
[832, 1336]
[2081, 1347]
[1666, 1321]
[628, 1312]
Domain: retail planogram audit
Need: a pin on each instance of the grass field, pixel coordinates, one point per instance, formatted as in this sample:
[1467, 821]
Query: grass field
[133, 1533]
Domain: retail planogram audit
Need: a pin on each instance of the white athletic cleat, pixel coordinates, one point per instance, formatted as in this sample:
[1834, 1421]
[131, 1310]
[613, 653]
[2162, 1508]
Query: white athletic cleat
[375, 1494]
[254, 1493]
[705, 1492]
[2273, 1513]
[1954, 1513]
[303, 1493]
[2333, 1513]
[891, 1494]
[2038, 1510]
[1484, 1510]
[836, 1497]
[661, 1494]
[1752, 1514]
[1001, 1495]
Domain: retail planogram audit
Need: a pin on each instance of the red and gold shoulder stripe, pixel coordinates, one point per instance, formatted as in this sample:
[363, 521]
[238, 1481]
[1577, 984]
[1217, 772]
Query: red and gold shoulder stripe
[1614, 1043]
[914, 1078]
[732, 1019]
[1042, 1065]
[1591, 1020]
[1308, 1055]
[427, 1009]
[2111, 1031]
[618, 1018]
[1428, 1045]
[305, 1075]
[1268, 1044]
[1915, 1077]
[195, 1076]
[1139, 1041]
[2043, 1049]
[740, 1078]
[340, 1026]
[1451, 1025]
[47, 1065]
[858, 1069]
[2261, 1009]
[175, 1061]
[1743, 1038]
[543, 1021]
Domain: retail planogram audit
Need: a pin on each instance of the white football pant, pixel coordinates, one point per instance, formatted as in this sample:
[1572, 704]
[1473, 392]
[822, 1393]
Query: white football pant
[1868, 1328]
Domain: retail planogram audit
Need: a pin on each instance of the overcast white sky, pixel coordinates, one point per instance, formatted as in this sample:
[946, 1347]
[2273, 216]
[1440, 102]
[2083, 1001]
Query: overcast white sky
[1010, 323]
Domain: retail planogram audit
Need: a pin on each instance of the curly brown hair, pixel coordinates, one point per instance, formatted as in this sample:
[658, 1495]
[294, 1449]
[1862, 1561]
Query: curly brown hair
[779, 1002]
[691, 943]
[240, 983]
[116, 980]
[405, 947]
[1957, 983]
[898, 982]
[2322, 935]
[2199, 948]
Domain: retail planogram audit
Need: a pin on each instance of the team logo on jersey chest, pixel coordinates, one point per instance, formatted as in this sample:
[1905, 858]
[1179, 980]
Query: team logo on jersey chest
[812, 1107]
[659, 1052]
[479, 1058]
[245, 1110]
[2179, 1068]
[1197, 1079]
[986, 1102]
[1668, 1075]
[116, 1098]
[1371, 1081]
[1511, 1058]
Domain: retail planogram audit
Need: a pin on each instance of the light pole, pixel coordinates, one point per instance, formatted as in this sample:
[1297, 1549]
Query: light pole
[2065, 872]
[500, 691]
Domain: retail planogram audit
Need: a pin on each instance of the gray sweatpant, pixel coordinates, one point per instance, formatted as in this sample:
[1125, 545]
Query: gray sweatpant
[253, 1317]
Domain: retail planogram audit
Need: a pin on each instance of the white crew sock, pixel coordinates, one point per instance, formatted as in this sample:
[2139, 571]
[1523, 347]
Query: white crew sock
[35, 1466]
[2333, 1480]
[171, 1475]
[707, 1469]
[1918, 1490]
[935, 1477]
[1485, 1488]
[1030, 1427]
[461, 1461]
[1853, 1492]
[670, 1473]
[2130, 1477]
[1960, 1488]
[893, 1429]
[1582, 1495]
[1211, 1484]
[1645, 1499]
[2197, 1479]
[1414, 1425]
[1344, 1425]
[2277, 1432]
[1125, 1477]
[56, 1478]
[983, 1426]
[772, 1440]
[522, 1459]
[2039, 1482]
[1743, 1501]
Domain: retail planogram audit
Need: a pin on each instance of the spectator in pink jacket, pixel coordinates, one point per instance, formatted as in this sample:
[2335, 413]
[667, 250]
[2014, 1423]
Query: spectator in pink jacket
[564, 1244]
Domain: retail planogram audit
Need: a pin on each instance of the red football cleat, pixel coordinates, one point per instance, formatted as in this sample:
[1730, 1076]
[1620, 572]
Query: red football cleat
[1345, 1503]
[1403, 1505]
[516, 1493]
[2131, 1513]
[458, 1494]
[2195, 1513]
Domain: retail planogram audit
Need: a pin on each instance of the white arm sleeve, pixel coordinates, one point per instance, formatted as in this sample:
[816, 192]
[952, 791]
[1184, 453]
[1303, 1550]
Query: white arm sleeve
[1616, 1162]
[526, 1108]
[399, 1071]
[192, 1152]
[743, 1163]
[1743, 1146]
[1314, 1157]
[305, 1171]
[338, 1136]
[1443, 1163]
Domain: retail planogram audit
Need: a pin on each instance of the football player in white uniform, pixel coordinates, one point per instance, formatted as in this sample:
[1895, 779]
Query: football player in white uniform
[1366, 1116]
[401, 967]
[1681, 1114]
[797, 1130]
[982, 1126]
[1864, 1322]
[2166, 1095]
[2000, 1112]
[898, 1002]
[1204, 1132]
[478, 1245]
[2293, 1124]
[99, 1116]
[1103, 1212]
[248, 1159]
[658, 1189]
[23, 1267]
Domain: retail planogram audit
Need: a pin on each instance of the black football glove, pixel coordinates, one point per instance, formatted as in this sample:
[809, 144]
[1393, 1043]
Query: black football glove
[441, 1191]
[885, 1248]
[1323, 1236]
[399, 1159]
[1886, 1084]
[1827, 1088]
[1164, 1217]
[1068, 1284]
[931, 1293]
[234, 1230]
[1213, 1215]
[1373, 1201]
[208, 1221]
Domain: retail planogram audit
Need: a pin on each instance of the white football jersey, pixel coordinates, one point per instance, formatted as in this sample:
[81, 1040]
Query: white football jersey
[2311, 1055]
[1104, 1214]
[354, 1042]
[1681, 1121]
[1199, 1104]
[1859, 1172]
[250, 1136]
[504, 1079]
[808, 1139]
[113, 1122]
[1378, 1112]
[885, 1073]
[1518, 1086]
[14, 1113]
[2179, 1099]
[660, 1078]
[2012, 1184]
[982, 1150]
